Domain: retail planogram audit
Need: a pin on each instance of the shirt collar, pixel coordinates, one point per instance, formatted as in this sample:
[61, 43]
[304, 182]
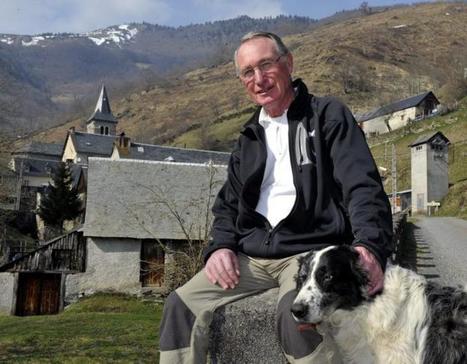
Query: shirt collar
[264, 119]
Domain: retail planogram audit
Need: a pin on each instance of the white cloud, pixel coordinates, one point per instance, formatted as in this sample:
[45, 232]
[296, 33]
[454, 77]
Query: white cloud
[226, 9]
[80, 16]
[37, 16]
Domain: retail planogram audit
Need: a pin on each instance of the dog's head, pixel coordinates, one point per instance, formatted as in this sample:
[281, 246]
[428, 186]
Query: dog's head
[327, 280]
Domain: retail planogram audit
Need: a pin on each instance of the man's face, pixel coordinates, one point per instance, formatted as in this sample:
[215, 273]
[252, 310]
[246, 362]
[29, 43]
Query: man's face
[269, 88]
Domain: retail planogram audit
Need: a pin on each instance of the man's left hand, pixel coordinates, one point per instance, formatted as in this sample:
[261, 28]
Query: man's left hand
[372, 266]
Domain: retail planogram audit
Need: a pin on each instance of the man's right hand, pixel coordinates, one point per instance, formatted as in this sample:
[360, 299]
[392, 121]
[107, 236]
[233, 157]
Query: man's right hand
[222, 268]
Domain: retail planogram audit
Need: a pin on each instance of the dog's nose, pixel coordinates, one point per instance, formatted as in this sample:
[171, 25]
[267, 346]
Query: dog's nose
[299, 310]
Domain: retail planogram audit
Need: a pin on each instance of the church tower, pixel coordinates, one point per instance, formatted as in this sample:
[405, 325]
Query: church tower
[102, 120]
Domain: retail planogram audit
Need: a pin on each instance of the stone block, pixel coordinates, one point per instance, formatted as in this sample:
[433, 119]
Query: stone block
[244, 332]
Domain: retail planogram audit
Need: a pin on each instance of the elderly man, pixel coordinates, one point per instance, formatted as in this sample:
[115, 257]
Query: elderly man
[300, 178]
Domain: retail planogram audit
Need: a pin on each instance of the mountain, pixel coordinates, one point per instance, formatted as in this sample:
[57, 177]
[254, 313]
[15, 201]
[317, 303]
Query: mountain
[367, 60]
[45, 78]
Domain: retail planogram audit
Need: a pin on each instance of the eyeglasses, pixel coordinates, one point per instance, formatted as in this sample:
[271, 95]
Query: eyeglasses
[267, 65]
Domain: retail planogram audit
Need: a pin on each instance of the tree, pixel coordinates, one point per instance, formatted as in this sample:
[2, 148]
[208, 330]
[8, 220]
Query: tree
[61, 201]
[364, 8]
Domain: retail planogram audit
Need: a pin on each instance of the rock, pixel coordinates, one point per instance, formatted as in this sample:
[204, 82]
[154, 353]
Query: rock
[244, 332]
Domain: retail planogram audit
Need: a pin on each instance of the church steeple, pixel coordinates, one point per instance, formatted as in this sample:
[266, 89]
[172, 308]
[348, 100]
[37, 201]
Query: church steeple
[102, 120]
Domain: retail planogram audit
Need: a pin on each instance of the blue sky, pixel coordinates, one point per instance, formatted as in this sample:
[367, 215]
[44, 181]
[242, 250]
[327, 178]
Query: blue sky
[39, 16]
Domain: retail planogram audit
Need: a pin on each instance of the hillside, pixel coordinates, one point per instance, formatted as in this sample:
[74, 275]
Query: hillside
[454, 127]
[367, 61]
[45, 77]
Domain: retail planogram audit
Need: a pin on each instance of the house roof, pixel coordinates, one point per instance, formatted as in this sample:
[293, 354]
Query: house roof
[397, 106]
[45, 149]
[427, 138]
[103, 111]
[45, 168]
[93, 144]
[33, 167]
[134, 198]
[171, 154]
[34, 260]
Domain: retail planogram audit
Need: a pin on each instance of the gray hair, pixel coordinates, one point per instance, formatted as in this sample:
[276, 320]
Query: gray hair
[278, 43]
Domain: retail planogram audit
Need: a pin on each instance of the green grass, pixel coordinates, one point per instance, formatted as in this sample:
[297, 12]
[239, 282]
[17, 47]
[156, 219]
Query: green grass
[103, 328]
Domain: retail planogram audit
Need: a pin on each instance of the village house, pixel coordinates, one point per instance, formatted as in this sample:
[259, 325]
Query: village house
[398, 114]
[138, 198]
[133, 206]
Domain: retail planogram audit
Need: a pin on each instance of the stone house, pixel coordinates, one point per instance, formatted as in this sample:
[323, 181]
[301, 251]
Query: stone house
[398, 114]
[139, 200]
[429, 170]
[134, 208]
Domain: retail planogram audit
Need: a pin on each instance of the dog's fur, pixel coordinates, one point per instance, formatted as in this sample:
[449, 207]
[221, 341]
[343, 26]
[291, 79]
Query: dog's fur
[411, 321]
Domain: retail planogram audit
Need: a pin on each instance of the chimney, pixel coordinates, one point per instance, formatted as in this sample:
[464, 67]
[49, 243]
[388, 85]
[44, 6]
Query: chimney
[122, 143]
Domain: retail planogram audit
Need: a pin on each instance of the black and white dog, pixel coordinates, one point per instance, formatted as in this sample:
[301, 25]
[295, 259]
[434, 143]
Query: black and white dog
[411, 321]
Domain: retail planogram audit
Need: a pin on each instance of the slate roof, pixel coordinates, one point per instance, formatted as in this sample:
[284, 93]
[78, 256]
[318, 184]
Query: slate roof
[44, 149]
[45, 168]
[171, 154]
[36, 167]
[128, 198]
[93, 144]
[426, 138]
[396, 106]
[103, 111]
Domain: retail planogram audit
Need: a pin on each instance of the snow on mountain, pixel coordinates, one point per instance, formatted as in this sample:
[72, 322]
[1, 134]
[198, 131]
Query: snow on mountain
[115, 35]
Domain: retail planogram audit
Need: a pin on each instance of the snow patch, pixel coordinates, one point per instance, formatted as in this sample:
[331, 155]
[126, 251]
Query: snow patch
[34, 41]
[400, 26]
[118, 36]
[98, 41]
[7, 40]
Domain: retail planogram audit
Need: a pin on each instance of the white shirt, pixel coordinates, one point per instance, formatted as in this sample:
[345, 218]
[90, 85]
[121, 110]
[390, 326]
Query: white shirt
[278, 194]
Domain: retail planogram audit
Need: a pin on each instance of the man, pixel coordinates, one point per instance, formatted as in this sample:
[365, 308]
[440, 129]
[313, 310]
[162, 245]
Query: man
[301, 177]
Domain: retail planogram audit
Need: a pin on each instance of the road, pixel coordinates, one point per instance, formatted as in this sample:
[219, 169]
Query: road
[441, 245]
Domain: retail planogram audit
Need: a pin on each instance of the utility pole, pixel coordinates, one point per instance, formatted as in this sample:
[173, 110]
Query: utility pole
[19, 184]
[394, 178]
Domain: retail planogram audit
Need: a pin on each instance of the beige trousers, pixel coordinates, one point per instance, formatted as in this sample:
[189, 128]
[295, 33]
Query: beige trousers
[188, 312]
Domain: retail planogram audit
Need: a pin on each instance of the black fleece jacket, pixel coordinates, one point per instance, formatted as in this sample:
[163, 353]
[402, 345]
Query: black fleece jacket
[340, 198]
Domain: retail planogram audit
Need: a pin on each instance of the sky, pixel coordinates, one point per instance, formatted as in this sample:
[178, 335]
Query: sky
[81, 16]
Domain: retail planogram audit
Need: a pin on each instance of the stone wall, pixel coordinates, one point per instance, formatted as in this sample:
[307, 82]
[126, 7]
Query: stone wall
[111, 265]
[8, 293]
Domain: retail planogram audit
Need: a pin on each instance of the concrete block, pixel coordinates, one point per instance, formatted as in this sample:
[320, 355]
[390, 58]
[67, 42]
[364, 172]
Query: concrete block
[244, 332]
[8, 293]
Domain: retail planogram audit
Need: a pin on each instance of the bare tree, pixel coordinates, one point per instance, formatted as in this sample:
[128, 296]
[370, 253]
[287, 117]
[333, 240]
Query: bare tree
[364, 8]
[183, 261]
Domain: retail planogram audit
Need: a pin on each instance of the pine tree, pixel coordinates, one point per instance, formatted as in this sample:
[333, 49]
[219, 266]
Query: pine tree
[61, 202]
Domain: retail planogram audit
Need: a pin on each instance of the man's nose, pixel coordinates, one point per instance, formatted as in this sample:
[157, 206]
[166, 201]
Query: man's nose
[258, 75]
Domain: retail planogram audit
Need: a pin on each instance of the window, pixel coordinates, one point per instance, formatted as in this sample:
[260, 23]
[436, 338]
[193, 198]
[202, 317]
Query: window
[102, 130]
[106, 130]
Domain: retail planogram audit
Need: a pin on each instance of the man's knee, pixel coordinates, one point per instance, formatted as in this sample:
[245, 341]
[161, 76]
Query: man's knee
[176, 325]
[295, 343]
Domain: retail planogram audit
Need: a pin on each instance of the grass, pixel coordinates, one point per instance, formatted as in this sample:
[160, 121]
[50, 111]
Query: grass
[104, 328]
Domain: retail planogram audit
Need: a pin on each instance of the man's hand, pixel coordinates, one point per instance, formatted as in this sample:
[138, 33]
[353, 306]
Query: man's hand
[222, 268]
[372, 266]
